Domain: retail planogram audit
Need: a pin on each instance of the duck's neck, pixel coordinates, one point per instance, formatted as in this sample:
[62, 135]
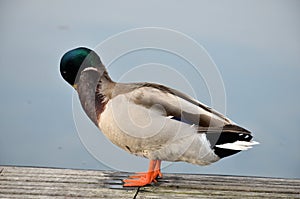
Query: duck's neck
[93, 89]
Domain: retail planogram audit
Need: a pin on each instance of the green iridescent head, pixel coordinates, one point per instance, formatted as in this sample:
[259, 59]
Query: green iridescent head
[76, 60]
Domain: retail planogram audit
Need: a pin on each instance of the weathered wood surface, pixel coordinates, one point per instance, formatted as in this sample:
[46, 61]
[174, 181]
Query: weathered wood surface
[24, 182]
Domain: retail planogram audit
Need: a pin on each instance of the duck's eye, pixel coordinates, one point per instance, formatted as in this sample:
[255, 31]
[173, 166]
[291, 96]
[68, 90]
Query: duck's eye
[64, 72]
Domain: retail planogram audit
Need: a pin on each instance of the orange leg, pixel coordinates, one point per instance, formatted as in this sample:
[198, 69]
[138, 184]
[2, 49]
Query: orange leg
[157, 171]
[142, 179]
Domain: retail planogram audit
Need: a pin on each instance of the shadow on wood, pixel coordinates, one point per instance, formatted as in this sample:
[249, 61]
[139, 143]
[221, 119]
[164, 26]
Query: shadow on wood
[25, 182]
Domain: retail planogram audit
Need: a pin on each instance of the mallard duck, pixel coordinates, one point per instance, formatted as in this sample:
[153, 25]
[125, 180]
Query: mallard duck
[151, 120]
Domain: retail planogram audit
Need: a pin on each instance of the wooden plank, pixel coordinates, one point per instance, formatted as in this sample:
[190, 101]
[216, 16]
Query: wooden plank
[28, 182]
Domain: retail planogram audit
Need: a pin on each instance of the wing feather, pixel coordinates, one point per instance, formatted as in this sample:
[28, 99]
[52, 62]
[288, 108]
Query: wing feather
[177, 104]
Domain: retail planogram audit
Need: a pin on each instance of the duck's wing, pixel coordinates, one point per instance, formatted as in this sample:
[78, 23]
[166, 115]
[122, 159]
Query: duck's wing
[209, 110]
[176, 105]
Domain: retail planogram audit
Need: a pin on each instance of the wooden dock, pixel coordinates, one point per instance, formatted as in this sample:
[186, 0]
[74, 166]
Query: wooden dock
[25, 182]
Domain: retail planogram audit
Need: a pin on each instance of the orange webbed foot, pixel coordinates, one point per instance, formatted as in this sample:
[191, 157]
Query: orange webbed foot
[145, 178]
[139, 180]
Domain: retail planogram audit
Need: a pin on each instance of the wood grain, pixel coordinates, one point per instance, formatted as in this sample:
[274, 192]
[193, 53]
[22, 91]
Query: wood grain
[28, 182]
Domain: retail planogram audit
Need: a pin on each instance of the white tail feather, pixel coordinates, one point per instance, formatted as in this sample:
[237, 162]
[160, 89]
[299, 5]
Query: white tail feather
[238, 145]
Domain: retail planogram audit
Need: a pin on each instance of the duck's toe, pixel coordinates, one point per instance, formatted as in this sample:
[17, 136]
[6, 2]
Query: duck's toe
[158, 173]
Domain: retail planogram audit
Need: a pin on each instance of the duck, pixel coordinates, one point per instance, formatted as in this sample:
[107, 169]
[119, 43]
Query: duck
[151, 120]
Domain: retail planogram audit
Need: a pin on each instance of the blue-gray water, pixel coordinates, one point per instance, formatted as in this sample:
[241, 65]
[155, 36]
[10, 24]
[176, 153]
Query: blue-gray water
[255, 45]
